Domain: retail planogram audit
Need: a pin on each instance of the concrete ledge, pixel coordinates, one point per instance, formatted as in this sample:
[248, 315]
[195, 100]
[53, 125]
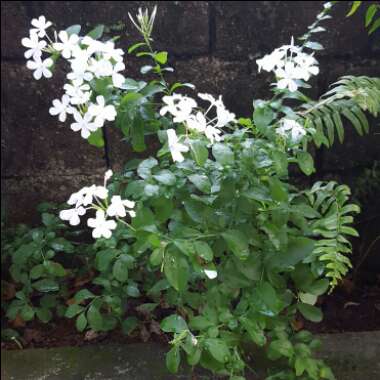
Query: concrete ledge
[353, 356]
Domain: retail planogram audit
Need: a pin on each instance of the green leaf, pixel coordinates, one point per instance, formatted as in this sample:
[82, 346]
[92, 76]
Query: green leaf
[46, 285]
[62, 245]
[81, 322]
[95, 318]
[37, 271]
[54, 268]
[104, 259]
[120, 270]
[161, 57]
[237, 242]
[96, 138]
[157, 256]
[203, 250]
[371, 11]
[173, 359]
[73, 29]
[165, 177]
[262, 116]
[313, 45]
[218, 349]
[199, 152]
[174, 324]
[73, 310]
[354, 8]
[278, 190]
[374, 27]
[265, 300]
[137, 134]
[299, 248]
[83, 294]
[44, 315]
[310, 312]
[145, 69]
[306, 162]
[254, 330]
[133, 291]
[27, 313]
[223, 154]
[176, 269]
[280, 347]
[97, 32]
[132, 48]
[129, 324]
[201, 182]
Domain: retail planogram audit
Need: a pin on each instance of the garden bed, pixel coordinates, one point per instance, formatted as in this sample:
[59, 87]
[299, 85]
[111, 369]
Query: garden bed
[351, 308]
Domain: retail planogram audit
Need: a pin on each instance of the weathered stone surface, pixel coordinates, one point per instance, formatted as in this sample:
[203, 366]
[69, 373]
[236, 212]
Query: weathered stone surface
[34, 141]
[172, 32]
[351, 355]
[15, 23]
[254, 28]
[21, 194]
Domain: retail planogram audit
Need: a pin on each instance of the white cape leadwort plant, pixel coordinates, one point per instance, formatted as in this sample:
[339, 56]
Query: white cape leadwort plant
[211, 228]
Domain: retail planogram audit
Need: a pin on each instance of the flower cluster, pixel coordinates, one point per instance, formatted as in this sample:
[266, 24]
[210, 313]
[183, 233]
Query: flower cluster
[96, 197]
[89, 60]
[292, 130]
[290, 65]
[185, 110]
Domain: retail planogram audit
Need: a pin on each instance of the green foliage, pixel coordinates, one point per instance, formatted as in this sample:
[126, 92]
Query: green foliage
[349, 98]
[223, 241]
[370, 21]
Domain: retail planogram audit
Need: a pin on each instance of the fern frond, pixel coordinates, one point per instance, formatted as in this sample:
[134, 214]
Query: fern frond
[350, 97]
[333, 228]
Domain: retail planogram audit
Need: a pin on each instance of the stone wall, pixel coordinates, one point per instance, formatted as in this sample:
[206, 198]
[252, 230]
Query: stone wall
[211, 44]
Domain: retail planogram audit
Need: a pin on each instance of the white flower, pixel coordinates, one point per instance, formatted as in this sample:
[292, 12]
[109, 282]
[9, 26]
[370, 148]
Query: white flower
[79, 72]
[35, 46]
[291, 128]
[93, 46]
[213, 133]
[83, 124]
[61, 107]
[176, 148]
[117, 207]
[109, 52]
[108, 174]
[67, 45]
[94, 191]
[101, 226]
[101, 68]
[287, 76]
[208, 98]
[78, 93]
[307, 66]
[270, 61]
[210, 273]
[72, 215]
[327, 5]
[197, 122]
[41, 68]
[223, 115]
[84, 196]
[179, 106]
[40, 25]
[101, 112]
[118, 79]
